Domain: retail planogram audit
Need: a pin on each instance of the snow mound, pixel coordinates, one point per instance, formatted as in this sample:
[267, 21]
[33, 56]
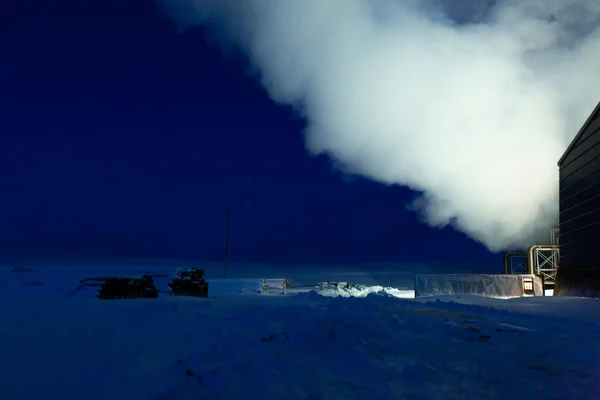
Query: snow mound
[364, 291]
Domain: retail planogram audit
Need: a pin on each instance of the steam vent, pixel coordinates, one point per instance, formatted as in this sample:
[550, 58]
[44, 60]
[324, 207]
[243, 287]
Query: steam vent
[579, 272]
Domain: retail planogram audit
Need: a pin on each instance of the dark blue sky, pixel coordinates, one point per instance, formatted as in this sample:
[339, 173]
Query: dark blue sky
[119, 137]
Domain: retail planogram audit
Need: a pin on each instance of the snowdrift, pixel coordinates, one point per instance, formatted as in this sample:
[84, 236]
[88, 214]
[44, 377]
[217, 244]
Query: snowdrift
[363, 291]
[501, 286]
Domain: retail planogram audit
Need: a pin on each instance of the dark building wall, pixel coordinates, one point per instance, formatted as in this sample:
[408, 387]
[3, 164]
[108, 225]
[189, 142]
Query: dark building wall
[579, 171]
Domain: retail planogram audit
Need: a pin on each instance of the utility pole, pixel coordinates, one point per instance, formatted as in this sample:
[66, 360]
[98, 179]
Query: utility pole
[228, 212]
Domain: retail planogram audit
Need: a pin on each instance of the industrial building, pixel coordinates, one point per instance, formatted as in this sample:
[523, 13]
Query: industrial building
[579, 172]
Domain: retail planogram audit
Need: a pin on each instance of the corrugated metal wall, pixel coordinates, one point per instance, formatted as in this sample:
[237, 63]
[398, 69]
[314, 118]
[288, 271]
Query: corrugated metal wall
[579, 267]
[580, 199]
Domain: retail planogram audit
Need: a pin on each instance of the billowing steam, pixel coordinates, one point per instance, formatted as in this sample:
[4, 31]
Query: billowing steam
[470, 103]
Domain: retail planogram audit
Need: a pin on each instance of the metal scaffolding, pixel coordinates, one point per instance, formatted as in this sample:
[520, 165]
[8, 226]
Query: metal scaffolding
[545, 262]
[540, 259]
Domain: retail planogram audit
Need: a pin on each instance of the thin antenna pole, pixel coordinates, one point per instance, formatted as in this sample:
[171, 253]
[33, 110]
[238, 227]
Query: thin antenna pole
[228, 211]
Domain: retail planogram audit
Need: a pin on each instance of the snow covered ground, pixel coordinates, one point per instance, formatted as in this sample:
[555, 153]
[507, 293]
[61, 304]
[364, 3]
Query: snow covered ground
[57, 341]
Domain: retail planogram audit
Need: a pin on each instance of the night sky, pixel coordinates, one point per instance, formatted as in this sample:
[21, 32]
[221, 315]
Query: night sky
[120, 137]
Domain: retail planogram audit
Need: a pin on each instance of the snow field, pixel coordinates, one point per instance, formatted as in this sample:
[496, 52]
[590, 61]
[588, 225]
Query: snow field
[66, 344]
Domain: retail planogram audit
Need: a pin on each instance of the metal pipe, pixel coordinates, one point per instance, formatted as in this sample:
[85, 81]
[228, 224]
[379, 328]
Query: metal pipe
[507, 257]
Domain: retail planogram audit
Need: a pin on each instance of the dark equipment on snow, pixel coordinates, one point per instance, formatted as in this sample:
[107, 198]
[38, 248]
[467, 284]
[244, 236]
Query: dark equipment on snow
[189, 282]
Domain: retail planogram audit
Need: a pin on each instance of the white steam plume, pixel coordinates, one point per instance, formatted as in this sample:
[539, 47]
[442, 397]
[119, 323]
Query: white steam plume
[470, 103]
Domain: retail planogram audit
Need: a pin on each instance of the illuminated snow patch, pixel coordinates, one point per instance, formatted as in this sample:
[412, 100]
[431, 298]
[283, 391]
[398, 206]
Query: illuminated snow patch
[364, 291]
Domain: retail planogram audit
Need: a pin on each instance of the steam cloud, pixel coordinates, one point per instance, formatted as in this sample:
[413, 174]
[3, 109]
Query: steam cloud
[469, 103]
